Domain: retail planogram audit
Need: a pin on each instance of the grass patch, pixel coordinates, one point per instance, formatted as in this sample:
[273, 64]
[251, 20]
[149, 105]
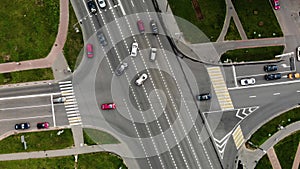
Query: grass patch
[286, 150]
[271, 127]
[26, 76]
[232, 32]
[37, 141]
[257, 17]
[252, 54]
[264, 163]
[213, 12]
[74, 42]
[93, 137]
[102, 160]
[40, 163]
[28, 28]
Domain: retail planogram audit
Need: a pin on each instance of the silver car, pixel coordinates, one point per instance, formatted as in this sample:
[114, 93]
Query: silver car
[245, 82]
[121, 68]
[102, 3]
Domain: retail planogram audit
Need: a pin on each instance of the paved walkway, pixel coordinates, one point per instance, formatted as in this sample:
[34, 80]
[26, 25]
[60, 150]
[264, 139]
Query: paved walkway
[55, 50]
[296, 163]
[250, 158]
[273, 158]
[231, 13]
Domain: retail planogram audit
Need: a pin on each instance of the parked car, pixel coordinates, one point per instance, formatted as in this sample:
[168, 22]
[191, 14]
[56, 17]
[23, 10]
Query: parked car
[204, 96]
[22, 126]
[270, 68]
[92, 6]
[101, 38]
[121, 68]
[89, 50]
[153, 54]
[134, 49]
[108, 106]
[294, 75]
[276, 4]
[59, 100]
[250, 81]
[141, 26]
[102, 3]
[42, 125]
[298, 53]
[273, 76]
[139, 81]
[154, 27]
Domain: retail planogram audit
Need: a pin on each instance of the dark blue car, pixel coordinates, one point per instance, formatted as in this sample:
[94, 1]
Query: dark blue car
[22, 126]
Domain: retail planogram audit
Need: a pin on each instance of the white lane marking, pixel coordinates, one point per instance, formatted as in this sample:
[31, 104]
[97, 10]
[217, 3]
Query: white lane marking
[64, 82]
[264, 85]
[121, 6]
[132, 3]
[86, 8]
[52, 109]
[276, 94]
[25, 118]
[261, 74]
[28, 96]
[234, 76]
[25, 107]
[252, 96]
[70, 109]
[66, 88]
[65, 85]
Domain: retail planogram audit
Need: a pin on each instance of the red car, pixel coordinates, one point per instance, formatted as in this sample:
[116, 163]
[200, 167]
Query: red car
[42, 125]
[108, 106]
[89, 50]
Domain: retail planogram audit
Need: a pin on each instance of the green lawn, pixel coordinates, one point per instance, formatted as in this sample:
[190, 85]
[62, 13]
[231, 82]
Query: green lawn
[264, 163]
[37, 141]
[214, 15]
[232, 32]
[28, 28]
[252, 54]
[93, 137]
[102, 160]
[74, 42]
[257, 17]
[286, 150]
[271, 127]
[26, 76]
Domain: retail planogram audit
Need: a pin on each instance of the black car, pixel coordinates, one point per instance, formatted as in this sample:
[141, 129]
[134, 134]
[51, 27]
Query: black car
[270, 68]
[205, 96]
[22, 126]
[273, 76]
[102, 38]
[92, 6]
[154, 27]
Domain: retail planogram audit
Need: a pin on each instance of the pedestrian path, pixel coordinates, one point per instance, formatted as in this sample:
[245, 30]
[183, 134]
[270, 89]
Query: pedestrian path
[70, 104]
[220, 88]
[273, 158]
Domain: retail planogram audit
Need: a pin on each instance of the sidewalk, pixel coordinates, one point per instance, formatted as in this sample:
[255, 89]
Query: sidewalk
[55, 50]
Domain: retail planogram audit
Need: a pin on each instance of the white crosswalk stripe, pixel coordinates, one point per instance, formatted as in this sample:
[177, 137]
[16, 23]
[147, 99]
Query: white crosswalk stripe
[238, 137]
[220, 88]
[70, 104]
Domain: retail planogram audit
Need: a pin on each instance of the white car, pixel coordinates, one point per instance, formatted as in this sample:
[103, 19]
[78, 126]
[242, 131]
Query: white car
[102, 3]
[139, 81]
[245, 82]
[134, 49]
[298, 53]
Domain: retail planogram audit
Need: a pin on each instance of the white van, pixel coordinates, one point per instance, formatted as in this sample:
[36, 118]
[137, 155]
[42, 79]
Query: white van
[298, 53]
[153, 54]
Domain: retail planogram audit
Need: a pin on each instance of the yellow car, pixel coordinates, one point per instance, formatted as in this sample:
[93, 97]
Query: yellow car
[294, 75]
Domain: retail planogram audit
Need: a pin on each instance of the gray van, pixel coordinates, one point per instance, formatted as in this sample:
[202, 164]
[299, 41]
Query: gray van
[153, 54]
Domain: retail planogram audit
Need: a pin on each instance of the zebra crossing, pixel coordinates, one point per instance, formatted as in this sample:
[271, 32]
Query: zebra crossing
[220, 88]
[238, 137]
[71, 107]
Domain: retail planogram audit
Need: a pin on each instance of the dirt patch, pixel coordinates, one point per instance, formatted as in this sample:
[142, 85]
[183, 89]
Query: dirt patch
[197, 9]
